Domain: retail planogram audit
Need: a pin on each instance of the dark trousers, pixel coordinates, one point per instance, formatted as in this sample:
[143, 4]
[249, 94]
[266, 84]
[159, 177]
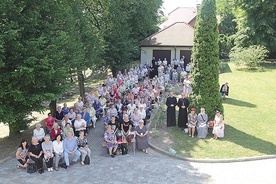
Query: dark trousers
[49, 163]
[38, 162]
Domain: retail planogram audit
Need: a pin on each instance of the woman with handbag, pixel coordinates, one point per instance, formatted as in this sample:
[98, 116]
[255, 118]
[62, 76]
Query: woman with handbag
[110, 141]
[36, 154]
[83, 147]
[47, 147]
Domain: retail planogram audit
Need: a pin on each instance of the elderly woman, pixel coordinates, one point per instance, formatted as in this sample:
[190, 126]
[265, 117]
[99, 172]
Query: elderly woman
[59, 115]
[218, 129]
[71, 115]
[65, 109]
[126, 128]
[83, 147]
[192, 120]
[141, 137]
[39, 132]
[58, 150]
[55, 131]
[65, 121]
[47, 147]
[68, 128]
[136, 117]
[110, 141]
[22, 154]
[92, 113]
[36, 154]
[202, 128]
[107, 118]
[80, 124]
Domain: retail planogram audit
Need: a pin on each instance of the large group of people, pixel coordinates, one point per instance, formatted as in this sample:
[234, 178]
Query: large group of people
[124, 102]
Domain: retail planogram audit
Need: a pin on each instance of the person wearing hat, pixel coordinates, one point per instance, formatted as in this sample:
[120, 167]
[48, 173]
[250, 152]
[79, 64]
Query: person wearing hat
[192, 120]
[171, 102]
[224, 90]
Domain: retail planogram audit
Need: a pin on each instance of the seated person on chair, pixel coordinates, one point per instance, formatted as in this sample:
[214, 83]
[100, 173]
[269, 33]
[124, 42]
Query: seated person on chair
[98, 108]
[83, 147]
[36, 154]
[92, 113]
[55, 131]
[126, 127]
[39, 132]
[22, 154]
[86, 116]
[202, 128]
[142, 136]
[80, 124]
[70, 148]
[110, 141]
[58, 150]
[47, 147]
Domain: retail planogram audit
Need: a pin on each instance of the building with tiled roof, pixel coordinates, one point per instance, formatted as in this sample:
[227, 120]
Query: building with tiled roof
[173, 40]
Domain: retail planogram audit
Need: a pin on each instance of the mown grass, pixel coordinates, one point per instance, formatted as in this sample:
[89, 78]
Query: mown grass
[249, 118]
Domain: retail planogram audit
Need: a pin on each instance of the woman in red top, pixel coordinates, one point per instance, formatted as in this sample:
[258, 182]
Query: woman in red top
[49, 122]
[55, 131]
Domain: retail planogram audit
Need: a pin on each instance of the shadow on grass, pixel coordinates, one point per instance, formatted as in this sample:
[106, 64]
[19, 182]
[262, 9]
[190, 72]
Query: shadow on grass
[265, 67]
[224, 68]
[241, 103]
[248, 141]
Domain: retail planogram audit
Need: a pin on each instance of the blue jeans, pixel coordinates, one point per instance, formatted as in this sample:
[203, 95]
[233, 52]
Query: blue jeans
[67, 157]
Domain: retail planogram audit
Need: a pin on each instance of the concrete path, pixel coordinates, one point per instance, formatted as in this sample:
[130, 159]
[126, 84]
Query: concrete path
[142, 168]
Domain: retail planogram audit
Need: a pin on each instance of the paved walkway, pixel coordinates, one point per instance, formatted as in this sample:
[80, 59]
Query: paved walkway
[142, 168]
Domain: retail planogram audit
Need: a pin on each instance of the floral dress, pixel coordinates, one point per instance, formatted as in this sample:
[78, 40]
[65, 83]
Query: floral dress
[111, 137]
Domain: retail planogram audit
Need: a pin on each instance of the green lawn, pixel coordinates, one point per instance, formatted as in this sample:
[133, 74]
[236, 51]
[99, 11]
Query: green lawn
[249, 117]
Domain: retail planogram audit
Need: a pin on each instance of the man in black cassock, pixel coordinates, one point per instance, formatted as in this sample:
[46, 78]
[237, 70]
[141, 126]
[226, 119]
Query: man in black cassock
[183, 104]
[171, 102]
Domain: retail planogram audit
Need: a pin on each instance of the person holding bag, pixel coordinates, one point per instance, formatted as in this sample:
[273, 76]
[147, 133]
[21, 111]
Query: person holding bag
[36, 154]
[47, 147]
[83, 147]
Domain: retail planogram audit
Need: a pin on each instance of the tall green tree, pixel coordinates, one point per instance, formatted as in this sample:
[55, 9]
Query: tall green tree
[227, 26]
[40, 44]
[257, 24]
[205, 60]
[122, 24]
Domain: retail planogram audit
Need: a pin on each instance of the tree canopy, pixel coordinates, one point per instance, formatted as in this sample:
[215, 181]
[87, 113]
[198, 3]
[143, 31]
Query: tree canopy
[42, 45]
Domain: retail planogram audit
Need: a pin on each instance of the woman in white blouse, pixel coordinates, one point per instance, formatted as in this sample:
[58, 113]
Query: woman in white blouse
[58, 150]
[39, 132]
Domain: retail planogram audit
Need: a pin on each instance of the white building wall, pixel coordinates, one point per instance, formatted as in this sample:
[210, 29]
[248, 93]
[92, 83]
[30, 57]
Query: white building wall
[147, 53]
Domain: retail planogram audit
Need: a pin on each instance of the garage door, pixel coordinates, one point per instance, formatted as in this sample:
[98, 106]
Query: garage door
[161, 54]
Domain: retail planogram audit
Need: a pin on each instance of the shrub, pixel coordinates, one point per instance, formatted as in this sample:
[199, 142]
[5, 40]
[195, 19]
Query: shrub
[250, 57]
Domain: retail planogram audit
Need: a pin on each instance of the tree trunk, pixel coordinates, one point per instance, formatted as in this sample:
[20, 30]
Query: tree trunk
[13, 130]
[81, 84]
[53, 107]
[114, 71]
